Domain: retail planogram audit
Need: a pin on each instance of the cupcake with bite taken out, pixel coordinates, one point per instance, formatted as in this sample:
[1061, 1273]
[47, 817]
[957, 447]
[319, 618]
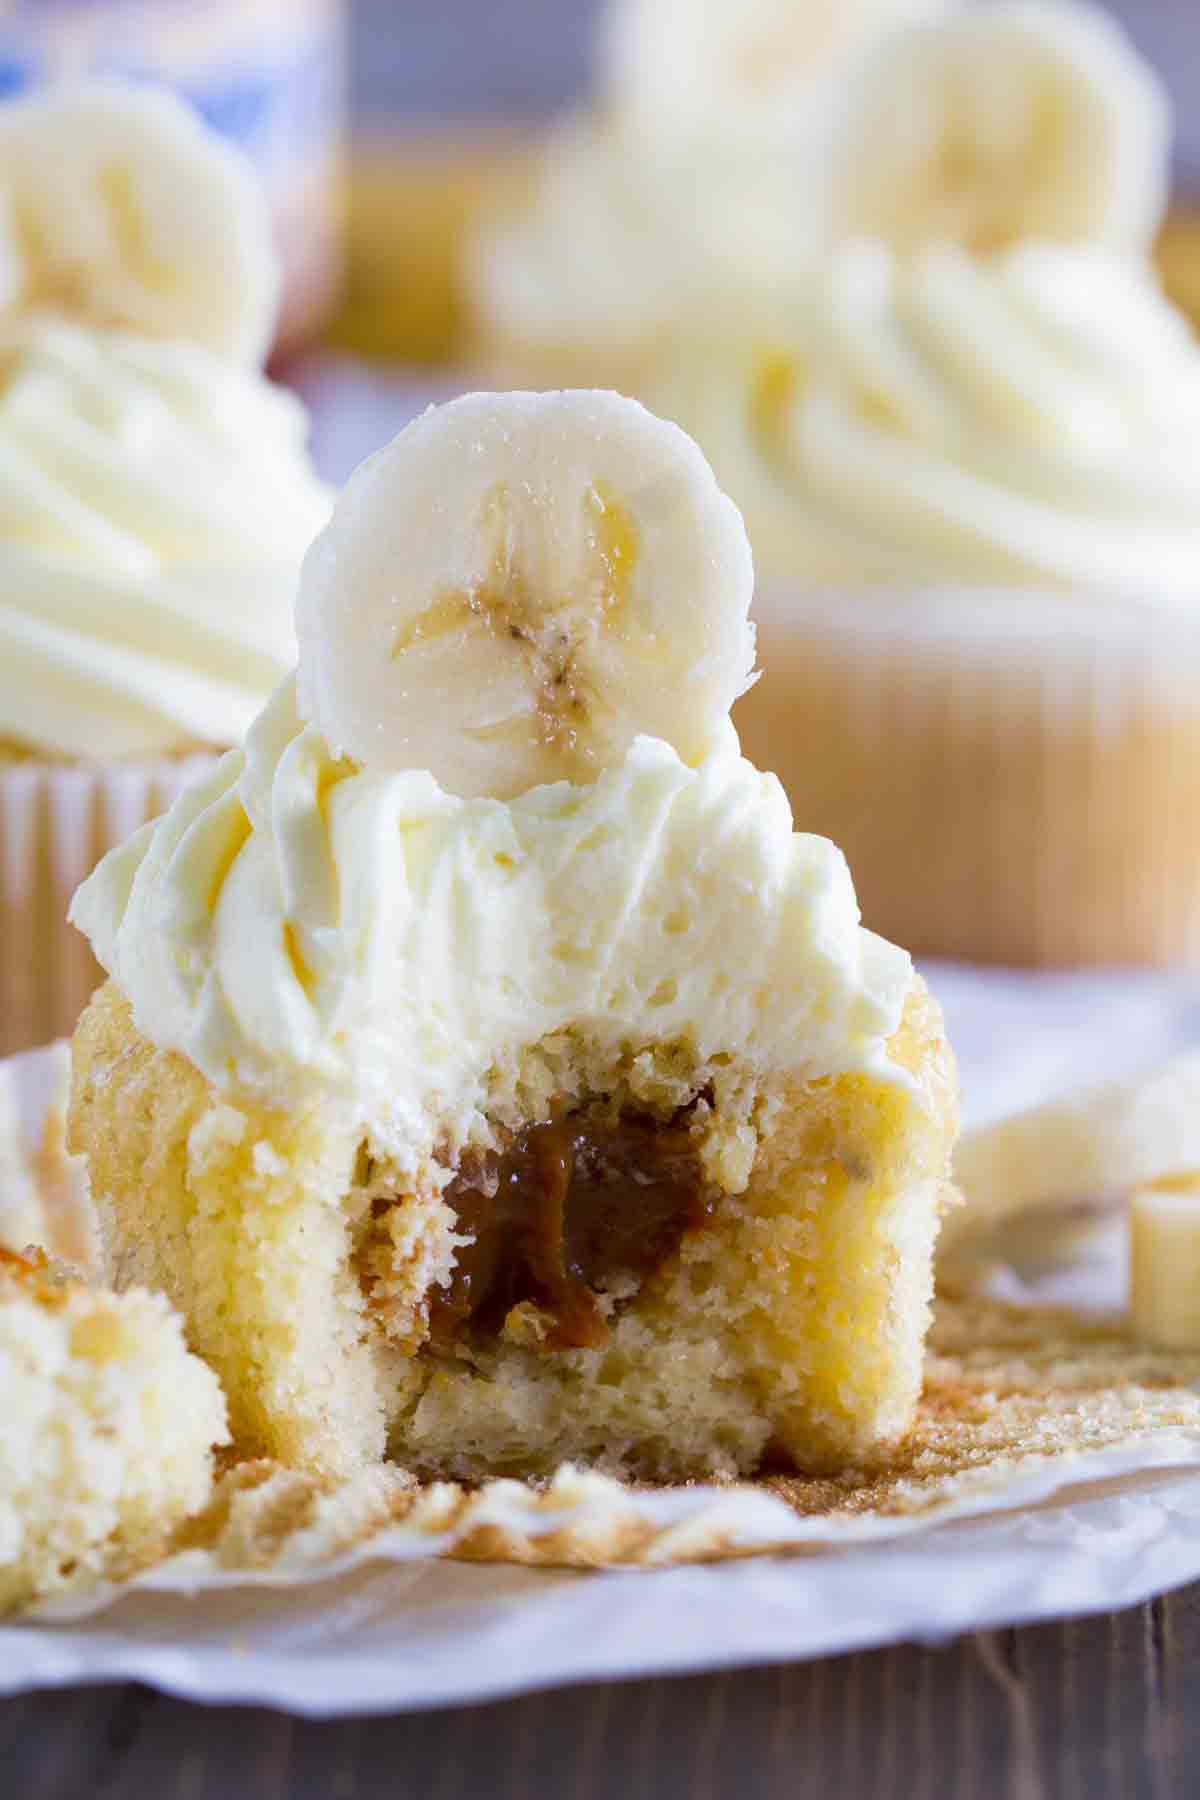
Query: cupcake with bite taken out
[487, 1068]
[157, 497]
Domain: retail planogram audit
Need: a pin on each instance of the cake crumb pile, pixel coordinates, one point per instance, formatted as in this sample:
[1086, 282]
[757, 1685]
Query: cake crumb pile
[108, 1430]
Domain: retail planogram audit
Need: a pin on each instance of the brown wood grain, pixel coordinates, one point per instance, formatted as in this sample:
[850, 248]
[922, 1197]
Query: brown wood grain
[1100, 1709]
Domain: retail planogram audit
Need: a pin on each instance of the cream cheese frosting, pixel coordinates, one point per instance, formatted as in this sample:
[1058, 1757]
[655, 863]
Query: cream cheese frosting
[299, 925]
[156, 500]
[1021, 419]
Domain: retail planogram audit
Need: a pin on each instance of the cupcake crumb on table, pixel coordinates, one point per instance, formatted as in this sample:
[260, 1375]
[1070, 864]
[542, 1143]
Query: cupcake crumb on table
[109, 1431]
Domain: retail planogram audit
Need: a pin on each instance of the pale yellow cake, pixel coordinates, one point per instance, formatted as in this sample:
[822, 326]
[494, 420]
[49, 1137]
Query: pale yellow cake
[109, 1430]
[786, 1323]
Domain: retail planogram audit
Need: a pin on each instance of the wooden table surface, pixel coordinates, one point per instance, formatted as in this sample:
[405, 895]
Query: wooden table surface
[1100, 1709]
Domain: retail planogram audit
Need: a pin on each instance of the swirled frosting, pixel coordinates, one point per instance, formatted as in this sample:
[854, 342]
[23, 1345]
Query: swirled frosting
[1024, 419]
[155, 503]
[298, 924]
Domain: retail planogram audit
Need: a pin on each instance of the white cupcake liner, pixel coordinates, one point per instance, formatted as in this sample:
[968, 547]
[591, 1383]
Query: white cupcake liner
[56, 821]
[1014, 776]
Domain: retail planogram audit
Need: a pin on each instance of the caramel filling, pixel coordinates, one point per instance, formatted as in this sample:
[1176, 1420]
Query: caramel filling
[23, 1267]
[33, 1270]
[568, 1205]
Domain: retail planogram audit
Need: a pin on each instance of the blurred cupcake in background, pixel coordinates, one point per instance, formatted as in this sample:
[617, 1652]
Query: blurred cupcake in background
[964, 451]
[267, 75]
[156, 497]
[685, 181]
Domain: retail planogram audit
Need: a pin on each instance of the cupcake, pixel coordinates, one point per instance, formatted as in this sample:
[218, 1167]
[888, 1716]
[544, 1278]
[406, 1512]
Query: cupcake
[487, 1070]
[268, 78]
[159, 498]
[683, 180]
[963, 455]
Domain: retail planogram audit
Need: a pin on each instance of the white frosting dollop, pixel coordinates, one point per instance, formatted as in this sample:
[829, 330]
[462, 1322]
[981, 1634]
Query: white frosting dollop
[1024, 419]
[298, 925]
[155, 503]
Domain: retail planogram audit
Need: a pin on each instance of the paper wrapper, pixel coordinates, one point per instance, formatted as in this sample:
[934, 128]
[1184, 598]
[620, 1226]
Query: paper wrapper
[1055, 1469]
[1013, 776]
[56, 821]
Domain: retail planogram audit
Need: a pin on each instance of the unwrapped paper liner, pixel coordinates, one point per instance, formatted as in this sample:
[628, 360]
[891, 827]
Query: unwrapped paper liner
[586, 1521]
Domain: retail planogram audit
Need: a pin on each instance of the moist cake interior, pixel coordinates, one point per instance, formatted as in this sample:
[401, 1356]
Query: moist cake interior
[658, 1267]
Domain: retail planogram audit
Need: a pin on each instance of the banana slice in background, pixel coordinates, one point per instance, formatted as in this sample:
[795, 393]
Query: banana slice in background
[119, 208]
[1038, 1183]
[1002, 122]
[684, 67]
[517, 587]
[557, 270]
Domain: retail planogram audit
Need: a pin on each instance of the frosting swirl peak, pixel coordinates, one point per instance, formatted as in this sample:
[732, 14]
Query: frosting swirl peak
[155, 502]
[1020, 419]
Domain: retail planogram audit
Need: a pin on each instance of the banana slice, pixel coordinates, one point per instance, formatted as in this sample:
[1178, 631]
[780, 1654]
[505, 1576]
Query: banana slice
[999, 123]
[119, 207]
[1094, 1146]
[517, 587]
[1164, 1262]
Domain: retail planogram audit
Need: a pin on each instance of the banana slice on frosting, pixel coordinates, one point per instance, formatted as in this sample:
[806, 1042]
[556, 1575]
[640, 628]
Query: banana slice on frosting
[517, 587]
[119, 208]
[1002, 122]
